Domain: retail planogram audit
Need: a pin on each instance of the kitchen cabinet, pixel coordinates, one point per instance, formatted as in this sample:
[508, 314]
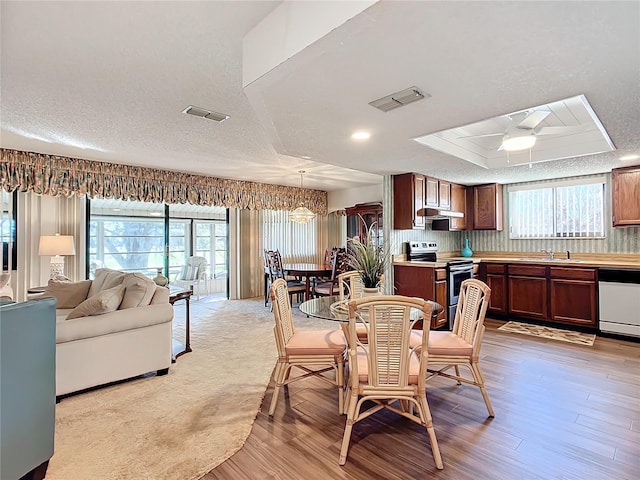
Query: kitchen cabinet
[423, 282]
[495, 276]
[573, 296]
[444, 195]
[458, 203]
[432, 192]
[408, 198]
[625, 199]
[563, 295]
[487, 207]
[528, 291]
[437, 193]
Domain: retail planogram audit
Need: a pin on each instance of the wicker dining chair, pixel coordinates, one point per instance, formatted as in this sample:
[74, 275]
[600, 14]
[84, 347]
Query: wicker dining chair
[315, 352]
[387, 370]
[461, 346]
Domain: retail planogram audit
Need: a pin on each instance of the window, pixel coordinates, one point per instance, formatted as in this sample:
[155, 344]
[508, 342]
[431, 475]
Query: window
[211, 243]
[8, 232]
[296, 242]
[125, 241]
[568, 209]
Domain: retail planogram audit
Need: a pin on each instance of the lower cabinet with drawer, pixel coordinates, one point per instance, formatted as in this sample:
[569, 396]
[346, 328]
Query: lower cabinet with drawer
[563, 295]
[528, 291]
[495, 276]
[423, 282]
[573, 296]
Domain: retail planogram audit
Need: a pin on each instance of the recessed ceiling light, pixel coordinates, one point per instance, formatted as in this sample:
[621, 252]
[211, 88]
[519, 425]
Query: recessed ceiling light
[627, 158]
[156, 214]
[305, 157]
[115, 209]
[361, 135]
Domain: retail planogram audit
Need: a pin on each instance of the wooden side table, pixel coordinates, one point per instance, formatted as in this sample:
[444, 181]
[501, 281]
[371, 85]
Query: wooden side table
[175, 295]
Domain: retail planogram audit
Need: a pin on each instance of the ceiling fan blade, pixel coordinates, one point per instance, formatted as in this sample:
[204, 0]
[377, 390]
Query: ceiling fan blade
[485, 135]
[562, 130]
[533, 119]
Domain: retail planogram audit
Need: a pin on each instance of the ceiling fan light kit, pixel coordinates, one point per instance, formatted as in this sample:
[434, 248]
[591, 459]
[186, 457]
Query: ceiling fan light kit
[514, 144]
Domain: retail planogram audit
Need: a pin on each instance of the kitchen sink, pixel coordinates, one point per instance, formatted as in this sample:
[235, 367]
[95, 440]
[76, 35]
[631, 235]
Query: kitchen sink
[539, 259]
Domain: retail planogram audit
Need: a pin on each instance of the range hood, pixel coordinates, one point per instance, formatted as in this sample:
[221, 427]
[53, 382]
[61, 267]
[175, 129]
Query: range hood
[437, 214]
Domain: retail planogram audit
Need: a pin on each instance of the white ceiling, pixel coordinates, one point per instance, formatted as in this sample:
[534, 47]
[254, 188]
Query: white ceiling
[107, 81]
[576, 131]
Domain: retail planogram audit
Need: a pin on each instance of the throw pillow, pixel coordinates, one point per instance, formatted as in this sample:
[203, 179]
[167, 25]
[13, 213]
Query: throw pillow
[4, 279]
[138, 290]
[104, 302]
[105, 278]
[68, 294]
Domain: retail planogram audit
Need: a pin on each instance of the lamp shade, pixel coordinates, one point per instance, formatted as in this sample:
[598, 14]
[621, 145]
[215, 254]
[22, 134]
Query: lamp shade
[51, 245]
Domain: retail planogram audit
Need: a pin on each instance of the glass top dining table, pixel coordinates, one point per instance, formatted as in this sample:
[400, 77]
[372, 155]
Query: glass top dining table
[332, 308]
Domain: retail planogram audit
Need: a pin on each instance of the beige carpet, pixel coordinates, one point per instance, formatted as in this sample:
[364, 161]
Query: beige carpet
[550, 333]
[179, 426]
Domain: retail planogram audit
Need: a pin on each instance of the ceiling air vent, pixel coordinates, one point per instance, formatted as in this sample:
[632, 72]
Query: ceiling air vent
[399, 99]
[204, 113]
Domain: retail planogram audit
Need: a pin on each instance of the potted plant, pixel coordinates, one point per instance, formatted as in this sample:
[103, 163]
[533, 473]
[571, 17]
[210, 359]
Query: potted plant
[368, 258]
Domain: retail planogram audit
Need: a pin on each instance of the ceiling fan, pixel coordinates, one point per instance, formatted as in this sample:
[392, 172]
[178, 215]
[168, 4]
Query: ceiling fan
[523, 129]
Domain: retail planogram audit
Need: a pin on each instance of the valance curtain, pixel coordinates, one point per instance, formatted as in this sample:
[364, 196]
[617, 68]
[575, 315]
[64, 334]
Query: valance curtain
[54, 175]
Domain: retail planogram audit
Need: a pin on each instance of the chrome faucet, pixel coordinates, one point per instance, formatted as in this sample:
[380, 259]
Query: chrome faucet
[549, 253]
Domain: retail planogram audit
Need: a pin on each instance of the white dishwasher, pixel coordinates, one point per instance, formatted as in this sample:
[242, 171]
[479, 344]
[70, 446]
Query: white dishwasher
[619, 301]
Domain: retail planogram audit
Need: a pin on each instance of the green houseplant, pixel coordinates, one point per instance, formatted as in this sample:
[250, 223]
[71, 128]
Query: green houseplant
[367, 257]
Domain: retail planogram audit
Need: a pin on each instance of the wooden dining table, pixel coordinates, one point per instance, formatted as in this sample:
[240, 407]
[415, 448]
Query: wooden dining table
[308, 271]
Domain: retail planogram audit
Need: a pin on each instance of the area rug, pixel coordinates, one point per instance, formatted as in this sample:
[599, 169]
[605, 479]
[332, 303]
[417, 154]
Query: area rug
[548, 332]
[181, 425]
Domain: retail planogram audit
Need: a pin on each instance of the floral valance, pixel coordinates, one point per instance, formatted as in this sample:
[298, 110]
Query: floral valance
[54, 175]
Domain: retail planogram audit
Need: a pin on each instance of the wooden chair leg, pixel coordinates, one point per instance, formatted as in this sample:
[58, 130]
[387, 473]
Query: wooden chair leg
[479, 379]
[280, 376]
[346, 438]
[428, 423]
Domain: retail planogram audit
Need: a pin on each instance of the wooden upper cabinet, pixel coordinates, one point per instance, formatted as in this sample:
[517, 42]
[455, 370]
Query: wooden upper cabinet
[625, 199]
[432, 192]
[444, 195]
[458, 204]
[487, 207]
[408, 198]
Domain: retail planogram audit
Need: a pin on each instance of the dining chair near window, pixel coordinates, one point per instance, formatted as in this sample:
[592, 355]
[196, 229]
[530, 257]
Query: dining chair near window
[295, 287]
[461, 346]
[331, 287]
[314, 352]
[192, 274]
[388, 371]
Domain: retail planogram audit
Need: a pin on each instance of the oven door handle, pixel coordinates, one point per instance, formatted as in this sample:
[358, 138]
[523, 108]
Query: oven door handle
[461, 269]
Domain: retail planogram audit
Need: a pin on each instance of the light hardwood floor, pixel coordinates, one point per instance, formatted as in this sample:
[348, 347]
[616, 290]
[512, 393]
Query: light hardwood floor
[563, 411]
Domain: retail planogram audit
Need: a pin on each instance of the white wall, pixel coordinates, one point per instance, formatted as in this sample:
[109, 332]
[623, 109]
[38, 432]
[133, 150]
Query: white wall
[341, 199]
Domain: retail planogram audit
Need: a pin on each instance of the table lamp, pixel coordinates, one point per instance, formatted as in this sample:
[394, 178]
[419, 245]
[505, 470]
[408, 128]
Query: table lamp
[56, 246]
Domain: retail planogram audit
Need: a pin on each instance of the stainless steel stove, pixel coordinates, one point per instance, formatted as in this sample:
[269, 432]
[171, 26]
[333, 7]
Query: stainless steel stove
[458, 270]
[421, 251]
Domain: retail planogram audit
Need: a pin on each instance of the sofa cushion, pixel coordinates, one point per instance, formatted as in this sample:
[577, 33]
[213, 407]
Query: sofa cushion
[68, 294]
[138, 290]
[106, 301]
[105, 278]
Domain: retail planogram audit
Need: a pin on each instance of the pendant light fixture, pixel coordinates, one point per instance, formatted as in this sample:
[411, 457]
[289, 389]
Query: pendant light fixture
[301, 214]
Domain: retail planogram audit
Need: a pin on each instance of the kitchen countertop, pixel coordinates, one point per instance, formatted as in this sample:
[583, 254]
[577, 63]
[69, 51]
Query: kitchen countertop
[583, 260]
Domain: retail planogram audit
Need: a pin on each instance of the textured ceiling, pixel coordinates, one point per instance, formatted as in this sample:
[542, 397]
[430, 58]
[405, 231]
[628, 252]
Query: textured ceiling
[107, 81]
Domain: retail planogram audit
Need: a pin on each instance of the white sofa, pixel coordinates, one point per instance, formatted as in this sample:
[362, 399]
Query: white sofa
[133, 339]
